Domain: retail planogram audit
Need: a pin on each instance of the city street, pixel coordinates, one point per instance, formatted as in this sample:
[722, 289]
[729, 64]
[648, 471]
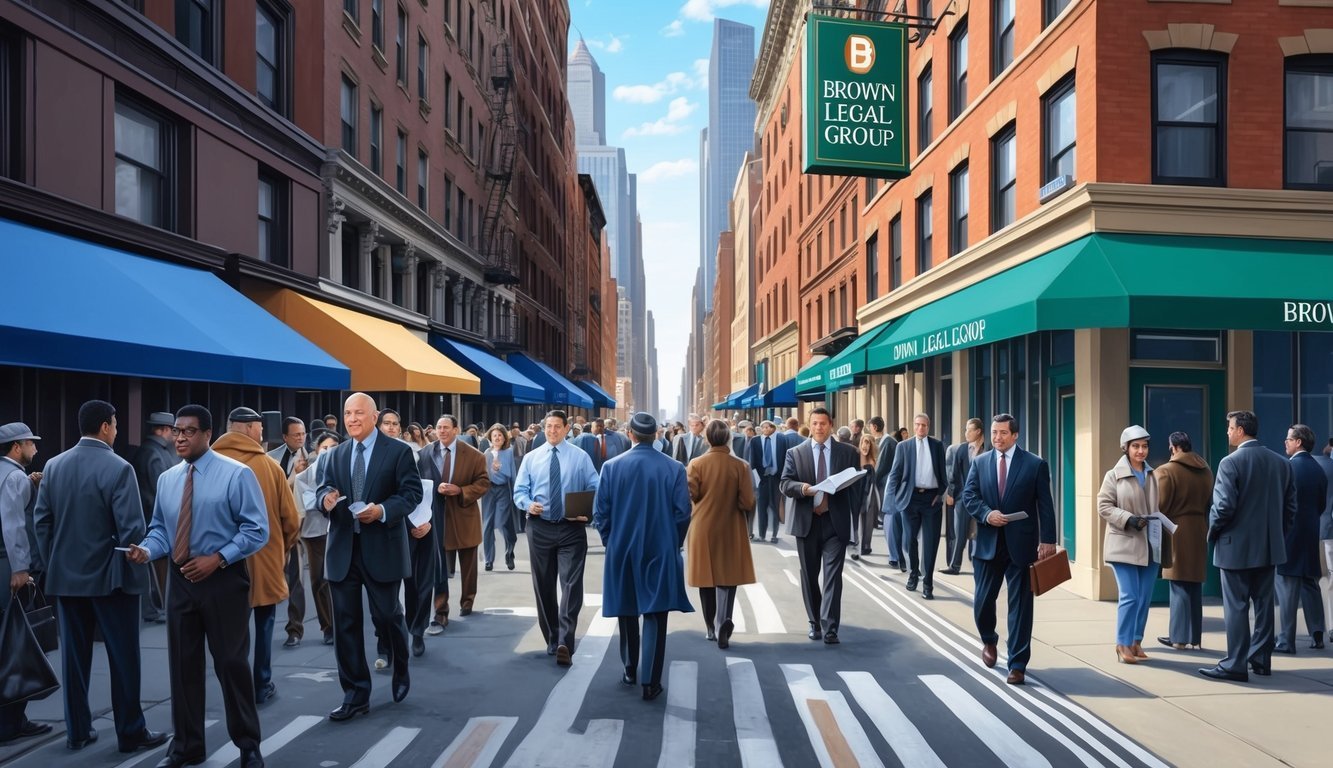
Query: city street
[905, 687]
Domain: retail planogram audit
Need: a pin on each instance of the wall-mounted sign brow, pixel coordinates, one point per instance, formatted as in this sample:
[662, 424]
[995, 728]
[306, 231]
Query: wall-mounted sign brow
[855, 99]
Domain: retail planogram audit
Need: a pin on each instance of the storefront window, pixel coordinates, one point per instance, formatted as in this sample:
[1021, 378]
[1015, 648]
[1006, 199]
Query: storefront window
[1062, 348]
[981, 383]
[1187, 346]
[1273, 379]
[1316, 404]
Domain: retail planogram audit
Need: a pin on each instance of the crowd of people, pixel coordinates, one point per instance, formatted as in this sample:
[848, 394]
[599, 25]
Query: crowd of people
[366, 506]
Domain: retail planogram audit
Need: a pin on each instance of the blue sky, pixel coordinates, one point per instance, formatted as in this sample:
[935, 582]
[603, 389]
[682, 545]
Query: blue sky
[655, 58]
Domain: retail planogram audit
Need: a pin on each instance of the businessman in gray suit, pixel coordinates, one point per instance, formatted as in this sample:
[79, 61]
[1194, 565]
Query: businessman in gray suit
[88, 505]
[690, 445]
[1254, 500]
[821, 523]
[917, 485]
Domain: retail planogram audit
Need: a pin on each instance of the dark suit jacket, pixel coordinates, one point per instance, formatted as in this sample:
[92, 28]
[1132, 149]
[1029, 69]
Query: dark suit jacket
[1254, 502]
[959, 461]
[392, 481]
[902, 476]
[799, 471]
[680, 451]
[1304, 552]
[887, 447]
[616, 444]
[756, 454]
[1027, 489]
[1326, 519]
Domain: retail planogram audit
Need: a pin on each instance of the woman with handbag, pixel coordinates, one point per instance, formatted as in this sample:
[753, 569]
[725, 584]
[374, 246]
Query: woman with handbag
[1133, 541]
[717, 549]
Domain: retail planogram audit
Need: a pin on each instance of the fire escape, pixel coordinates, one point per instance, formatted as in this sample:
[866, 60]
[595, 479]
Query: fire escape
[497, 238]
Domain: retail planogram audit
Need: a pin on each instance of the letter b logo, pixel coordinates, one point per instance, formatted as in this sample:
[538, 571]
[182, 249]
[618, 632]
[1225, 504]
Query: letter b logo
[859, 53]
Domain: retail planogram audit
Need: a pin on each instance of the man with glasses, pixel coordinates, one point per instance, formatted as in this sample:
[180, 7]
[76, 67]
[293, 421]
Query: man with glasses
[1254, 500]
[209, 516]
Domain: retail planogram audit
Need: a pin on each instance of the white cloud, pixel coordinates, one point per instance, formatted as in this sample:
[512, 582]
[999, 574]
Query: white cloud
[667, 169]
[674, 29]
[670, 125]
[614, 44]
[638, 94]
[705, 10]
[673, 83]
[701, 72]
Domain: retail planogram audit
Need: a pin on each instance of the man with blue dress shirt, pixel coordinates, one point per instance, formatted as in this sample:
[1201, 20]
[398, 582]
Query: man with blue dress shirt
[209, 515]
[557, 546]
[766, 456]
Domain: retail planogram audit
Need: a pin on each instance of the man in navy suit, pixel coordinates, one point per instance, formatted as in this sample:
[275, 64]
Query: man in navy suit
[1326, 529]
[1000, 482]
[367, 548]
[1298, 578]
[917, 484]
[766, 458]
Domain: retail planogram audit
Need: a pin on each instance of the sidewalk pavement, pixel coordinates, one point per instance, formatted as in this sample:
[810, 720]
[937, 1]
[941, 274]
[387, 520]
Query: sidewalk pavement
[1164, 703]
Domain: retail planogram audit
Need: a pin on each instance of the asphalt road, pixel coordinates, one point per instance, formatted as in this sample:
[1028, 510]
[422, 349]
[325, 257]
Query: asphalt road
[904, 687]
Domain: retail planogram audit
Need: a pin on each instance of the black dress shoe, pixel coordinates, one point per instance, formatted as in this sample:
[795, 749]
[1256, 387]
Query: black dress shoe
[328, 637]
[250, 758]
[29, 728]
[1217, 673]
[865, 551]
[1317, 644]
[490, 566]
[509, 561]
[856, 556]
[911, 583]
[400, 689]
[464, 611]
[267, 692]
[550, 649]
[1287, 649]
[724, 634]
[77, 744]
[178, 761]
[1167, 642]
[710, 635]
[147, 740]
[418, 645]
[893, 563]
[651, 692]
[347, 711]
[1263, 670]
[950, 571]
[928, 593]
[629, 678]
[831, 638]
[292, 641]
[814, 633]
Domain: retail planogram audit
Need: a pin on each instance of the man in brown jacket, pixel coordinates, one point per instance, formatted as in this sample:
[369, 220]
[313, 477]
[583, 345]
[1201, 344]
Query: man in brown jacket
[1184, 493]
[268, 579]
[461, 483]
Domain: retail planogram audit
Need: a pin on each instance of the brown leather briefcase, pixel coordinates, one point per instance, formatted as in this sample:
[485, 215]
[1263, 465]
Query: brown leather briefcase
[1050, 573]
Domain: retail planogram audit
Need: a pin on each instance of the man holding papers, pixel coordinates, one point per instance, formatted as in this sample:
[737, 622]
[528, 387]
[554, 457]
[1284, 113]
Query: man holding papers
[916, 484]
[557, 545]
[821, 522]
[1000, 483]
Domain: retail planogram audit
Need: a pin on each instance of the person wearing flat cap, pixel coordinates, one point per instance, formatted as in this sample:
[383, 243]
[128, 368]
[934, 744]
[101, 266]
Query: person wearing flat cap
[155, 456]
[642, 511]
[18, 447]
[1133, 542]
[87, 505]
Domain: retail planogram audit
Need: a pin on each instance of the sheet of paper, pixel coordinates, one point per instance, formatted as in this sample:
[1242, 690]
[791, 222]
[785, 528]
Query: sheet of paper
[1012, 516]
[1166, 521]
[423, 511]
[839, 481]
[356, 507]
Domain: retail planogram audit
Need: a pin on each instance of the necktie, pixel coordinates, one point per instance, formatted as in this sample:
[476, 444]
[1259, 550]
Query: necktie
[922, 461]
[180, 550]
[601, 445]
[694, 444]
[359, 473]
[1004, 475]
[768, 454]
[447, 467]
[556, 490]
[287, 460]
[821, 474]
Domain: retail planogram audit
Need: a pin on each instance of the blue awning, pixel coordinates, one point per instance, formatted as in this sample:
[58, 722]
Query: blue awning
[600, 397]
[559, 390]
[499, 381]
[77, 306]
[734, 399]
[782, 396]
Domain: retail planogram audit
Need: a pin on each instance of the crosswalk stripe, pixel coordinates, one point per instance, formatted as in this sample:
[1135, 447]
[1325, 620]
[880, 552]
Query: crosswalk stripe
[834, 731]
[550, 742]
[754, 734]
[387, 748]
[903, 737]
[738, 617]
[679, 721]
[991, 730]
[227, 754]
[139, 758]
[766, 617]
[791, 577]
[478, 743]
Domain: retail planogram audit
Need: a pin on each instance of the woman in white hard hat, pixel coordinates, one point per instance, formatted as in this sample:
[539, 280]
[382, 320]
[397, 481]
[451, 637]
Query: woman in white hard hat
[1133, 543]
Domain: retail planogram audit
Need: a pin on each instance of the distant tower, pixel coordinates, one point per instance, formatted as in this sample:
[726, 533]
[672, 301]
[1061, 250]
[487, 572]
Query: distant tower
[587, 97]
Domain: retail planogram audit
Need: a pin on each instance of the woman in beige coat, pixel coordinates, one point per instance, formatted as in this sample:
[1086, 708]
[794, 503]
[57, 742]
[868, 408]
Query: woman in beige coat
[1126, 502]
[1185, 491]
[717, 549]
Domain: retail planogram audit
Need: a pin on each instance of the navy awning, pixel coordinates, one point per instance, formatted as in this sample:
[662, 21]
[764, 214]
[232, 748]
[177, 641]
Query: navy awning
[734, 399]
[500, 382]
[600, 397]
[76, 306]
[782, 396]
[559, 390]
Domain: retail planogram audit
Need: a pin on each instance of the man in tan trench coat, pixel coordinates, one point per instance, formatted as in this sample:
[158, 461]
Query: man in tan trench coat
[268, 579]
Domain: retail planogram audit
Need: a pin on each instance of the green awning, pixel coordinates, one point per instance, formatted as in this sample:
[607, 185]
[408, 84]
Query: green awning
[810, 379]
[1127, 281]
[848, 368]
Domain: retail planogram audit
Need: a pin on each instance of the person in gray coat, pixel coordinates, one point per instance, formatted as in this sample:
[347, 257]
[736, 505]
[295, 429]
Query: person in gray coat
[154, 456]
[1254, 501]
[958, 460]
[88, 504]
[1298, 578]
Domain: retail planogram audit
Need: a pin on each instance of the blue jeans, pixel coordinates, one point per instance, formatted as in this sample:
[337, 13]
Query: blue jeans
[1136, 583]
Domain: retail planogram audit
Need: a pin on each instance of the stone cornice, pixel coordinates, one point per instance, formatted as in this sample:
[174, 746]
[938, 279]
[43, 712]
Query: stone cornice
[775, 58]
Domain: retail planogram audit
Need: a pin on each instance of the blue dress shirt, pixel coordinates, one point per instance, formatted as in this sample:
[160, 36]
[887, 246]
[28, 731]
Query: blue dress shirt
[534, 476]
[227, 510]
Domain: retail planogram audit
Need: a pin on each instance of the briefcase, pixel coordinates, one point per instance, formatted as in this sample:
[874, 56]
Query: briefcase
[1049, 573]
[41, 617]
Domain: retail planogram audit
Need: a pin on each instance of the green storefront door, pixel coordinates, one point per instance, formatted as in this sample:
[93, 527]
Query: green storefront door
[1061, 440]
[1166, 400]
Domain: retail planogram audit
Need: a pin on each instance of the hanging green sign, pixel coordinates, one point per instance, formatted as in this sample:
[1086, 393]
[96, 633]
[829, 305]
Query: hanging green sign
[855, 98]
